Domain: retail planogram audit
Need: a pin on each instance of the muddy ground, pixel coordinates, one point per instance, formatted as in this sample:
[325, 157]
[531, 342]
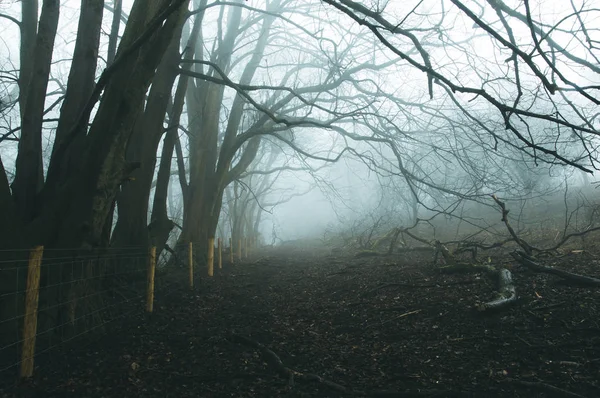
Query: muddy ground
[341, 326]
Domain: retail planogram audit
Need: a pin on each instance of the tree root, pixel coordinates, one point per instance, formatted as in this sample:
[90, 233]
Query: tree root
[529, 262]
[507, 293]
[292, 375]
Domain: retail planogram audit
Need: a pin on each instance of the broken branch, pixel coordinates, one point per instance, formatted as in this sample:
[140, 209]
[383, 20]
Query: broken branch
[529, 262]
[524, 245]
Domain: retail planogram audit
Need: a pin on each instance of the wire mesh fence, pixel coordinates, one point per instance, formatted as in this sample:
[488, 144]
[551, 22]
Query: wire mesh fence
[49, 297]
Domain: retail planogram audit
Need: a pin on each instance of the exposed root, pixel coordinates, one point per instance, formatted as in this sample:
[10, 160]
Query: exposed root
[507, 294]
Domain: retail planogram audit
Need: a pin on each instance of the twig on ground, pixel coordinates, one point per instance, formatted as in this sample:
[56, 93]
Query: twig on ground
[400, 316]
[291, 375]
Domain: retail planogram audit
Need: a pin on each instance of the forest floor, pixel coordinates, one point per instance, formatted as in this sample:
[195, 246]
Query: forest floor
[343, 326]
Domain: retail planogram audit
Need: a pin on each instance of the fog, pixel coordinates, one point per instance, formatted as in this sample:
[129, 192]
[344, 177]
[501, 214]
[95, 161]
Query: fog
[343, 113]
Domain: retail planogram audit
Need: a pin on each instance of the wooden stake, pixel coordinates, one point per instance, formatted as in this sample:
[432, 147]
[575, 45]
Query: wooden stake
[151, 270]
[239, 250]
[211, 256]
[32, 295]
[220, 253]
[230, 250]
[191, 264]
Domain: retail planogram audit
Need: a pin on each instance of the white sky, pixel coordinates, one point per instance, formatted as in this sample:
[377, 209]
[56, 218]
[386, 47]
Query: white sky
[480, 55]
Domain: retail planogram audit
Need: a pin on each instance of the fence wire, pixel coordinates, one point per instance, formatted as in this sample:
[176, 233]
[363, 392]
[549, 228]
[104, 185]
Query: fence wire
[81, 292]
[78, 293]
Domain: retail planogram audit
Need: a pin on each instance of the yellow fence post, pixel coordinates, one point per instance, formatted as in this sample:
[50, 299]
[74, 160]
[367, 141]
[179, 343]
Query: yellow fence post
[151, 270]
[32, 295]
[191, 263]
[230, 250]
[239, 249]
[220, 254]
[211, 256]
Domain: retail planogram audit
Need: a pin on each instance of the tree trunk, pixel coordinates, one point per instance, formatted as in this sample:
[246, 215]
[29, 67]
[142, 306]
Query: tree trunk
[104, 168]
[28, 27]
[82, 74]
[29, 177]
[131, 228]
[161, 225]
[114, 32]
[210, 167]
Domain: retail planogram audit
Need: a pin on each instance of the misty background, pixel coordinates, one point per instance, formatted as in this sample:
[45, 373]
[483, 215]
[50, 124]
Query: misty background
[406, 145]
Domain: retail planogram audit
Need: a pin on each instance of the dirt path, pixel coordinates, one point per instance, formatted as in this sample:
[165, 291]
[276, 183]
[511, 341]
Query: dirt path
[333, 318]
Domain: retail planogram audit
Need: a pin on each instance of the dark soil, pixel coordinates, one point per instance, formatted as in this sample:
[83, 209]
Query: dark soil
[377, 326]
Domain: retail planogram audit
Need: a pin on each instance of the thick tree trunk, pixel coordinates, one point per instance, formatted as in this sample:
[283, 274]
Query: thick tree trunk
[12, 274]
[81, 76]
[78, 201]
[161, 225]
[29, 177]
[104, 168]
[131, 228]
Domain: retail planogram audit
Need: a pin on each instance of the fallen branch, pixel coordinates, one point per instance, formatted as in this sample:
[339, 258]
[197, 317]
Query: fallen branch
[529, 262]
[507, 294]
[285, 372]
[291, 375]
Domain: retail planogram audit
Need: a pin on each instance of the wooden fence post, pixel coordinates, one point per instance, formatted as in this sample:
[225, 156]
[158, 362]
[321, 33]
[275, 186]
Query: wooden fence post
[239, 250]
[211, 256]
[220, 254]
[32, 295]
[151, 270]
[191, 263]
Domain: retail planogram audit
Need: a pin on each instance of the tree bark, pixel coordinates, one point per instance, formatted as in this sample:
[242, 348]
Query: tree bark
[29, 176]
[78, 203]
[83, 72]
[28, 27]
[114, 32]
[131, 228]
[210, 166]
